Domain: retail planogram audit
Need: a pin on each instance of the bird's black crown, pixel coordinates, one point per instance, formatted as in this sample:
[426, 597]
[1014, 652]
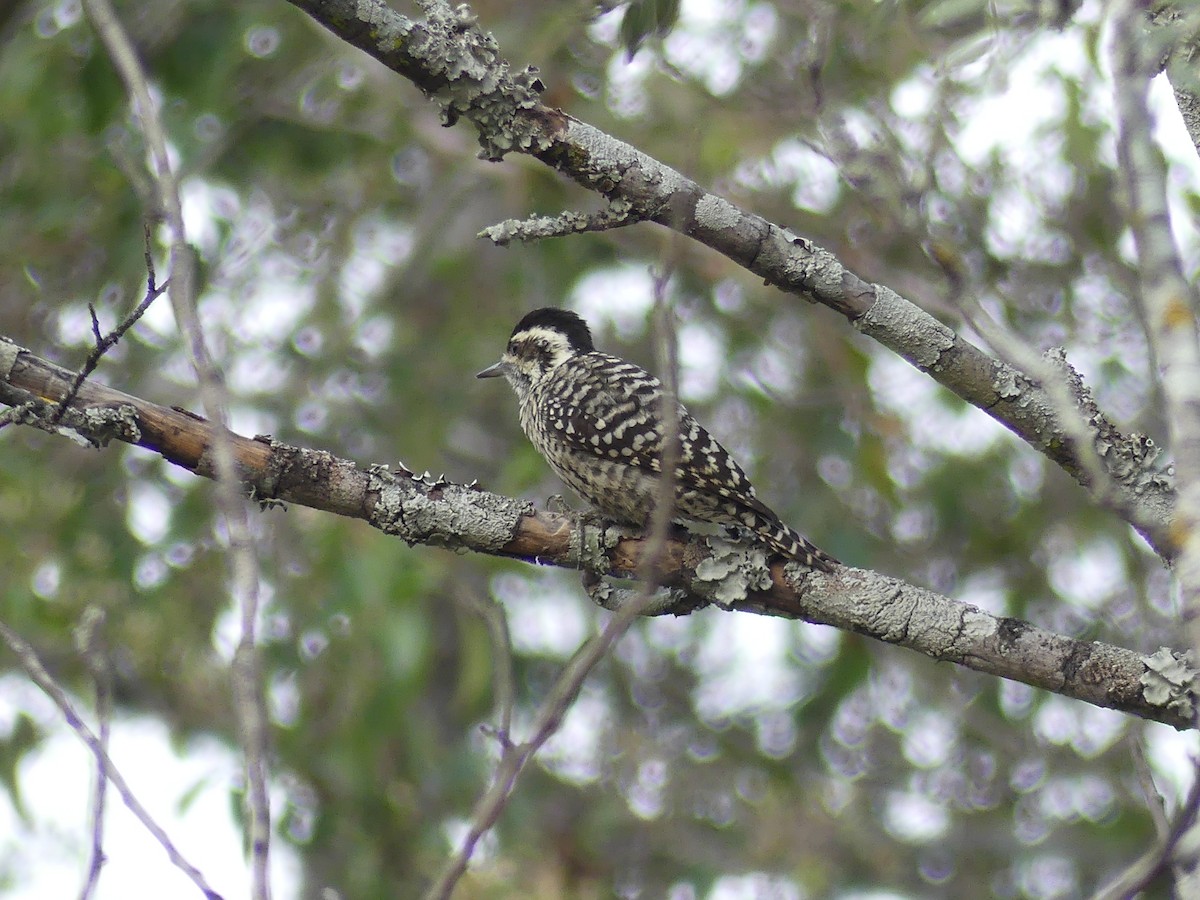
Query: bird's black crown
[571, 326]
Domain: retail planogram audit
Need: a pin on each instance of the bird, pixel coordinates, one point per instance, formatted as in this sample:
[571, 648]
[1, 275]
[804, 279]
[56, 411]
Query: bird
[597, 420]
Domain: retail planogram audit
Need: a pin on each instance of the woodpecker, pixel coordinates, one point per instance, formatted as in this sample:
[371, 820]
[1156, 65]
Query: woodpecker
[597, 420]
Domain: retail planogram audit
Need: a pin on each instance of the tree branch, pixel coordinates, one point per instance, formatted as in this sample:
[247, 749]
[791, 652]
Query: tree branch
[459, 67]
[435, 512]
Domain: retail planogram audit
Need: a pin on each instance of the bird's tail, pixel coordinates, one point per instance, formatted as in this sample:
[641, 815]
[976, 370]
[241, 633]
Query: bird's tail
[794, 545]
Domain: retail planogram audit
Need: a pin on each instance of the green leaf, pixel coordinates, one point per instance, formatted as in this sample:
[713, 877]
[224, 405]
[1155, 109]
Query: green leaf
[644, 18]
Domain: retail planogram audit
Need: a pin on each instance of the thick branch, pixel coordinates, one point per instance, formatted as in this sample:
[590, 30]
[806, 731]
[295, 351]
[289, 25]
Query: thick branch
[443, 57]
[422, 510]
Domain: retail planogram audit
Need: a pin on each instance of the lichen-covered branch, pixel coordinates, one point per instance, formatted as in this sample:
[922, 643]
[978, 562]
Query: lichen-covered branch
[433, 511]
[459, 66]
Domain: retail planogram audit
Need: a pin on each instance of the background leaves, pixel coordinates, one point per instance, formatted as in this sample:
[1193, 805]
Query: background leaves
[351, 304]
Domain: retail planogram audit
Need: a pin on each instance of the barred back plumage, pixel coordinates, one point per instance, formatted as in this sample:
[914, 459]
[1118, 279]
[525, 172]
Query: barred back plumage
[598, 422]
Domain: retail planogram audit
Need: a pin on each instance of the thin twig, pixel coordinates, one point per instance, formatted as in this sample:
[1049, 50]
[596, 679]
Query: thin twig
[1142, 871]
[250, 704]
[503, 680]
[33, 667]
[565, 690]
[107, 342]
[1145, 779]
[89, 641]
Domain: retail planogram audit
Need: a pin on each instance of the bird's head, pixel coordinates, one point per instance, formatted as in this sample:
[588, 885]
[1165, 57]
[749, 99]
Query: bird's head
[543, 340]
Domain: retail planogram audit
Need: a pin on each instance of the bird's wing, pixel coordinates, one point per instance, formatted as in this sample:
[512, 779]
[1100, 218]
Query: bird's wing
[622, 422]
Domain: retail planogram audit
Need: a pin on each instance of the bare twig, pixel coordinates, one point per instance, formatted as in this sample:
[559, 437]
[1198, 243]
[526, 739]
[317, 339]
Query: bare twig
[33, 667]
[249, 701]
[104, 343]
[1145, 779]
[503, 680]
[89, 641]
[514, 757]
[1138, 876]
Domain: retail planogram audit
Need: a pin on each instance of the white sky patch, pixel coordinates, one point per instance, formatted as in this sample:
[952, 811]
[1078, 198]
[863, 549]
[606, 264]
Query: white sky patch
[928, 739]
[701, 351]
[380, 246]
[776, 370]
[745, 644]
[914, 818]
[625, 82]
[276, 303]
[621, 296]
[1089, 575]
[1184, 175]
[257, 371]
[148, 514]
[1172, 756]
[574, 751]
[47, 578]
[607, 27]
[987, 590]
[816, 644]
[715, 65]
[712, 42]
[812, 177]
[227, 631]
[486, 847]
[755, 886]
[541, 616]
[913, 97]
[159, 318]
[252, 236]
[186, 792]
[1016, 224]
[913, 396]
[204, 205]
[74, 324]
[645, 795]
[1089, 730]
[1009, 120]
[374, 335]
[248, 419]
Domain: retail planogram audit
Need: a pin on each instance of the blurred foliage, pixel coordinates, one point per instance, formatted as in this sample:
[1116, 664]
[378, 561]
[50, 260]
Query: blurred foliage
[351, 303]
[644, 18]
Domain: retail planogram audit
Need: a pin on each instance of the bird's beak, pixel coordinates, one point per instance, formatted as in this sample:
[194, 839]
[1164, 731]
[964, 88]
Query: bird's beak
[494, 371]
